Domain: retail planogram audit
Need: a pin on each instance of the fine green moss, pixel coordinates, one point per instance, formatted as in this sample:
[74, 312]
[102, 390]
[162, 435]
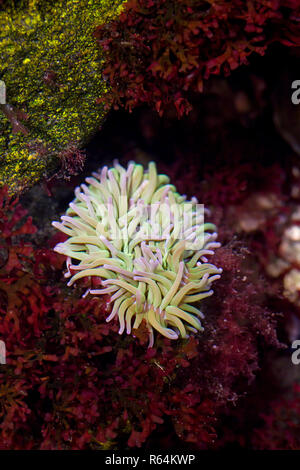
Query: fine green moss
[51, 67]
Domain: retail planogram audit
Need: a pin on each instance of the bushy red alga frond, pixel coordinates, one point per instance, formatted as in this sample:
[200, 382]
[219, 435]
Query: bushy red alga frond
[281, 425]
[159, 51]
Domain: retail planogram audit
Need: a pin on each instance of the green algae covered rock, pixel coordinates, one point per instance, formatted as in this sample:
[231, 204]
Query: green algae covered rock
[51, 67]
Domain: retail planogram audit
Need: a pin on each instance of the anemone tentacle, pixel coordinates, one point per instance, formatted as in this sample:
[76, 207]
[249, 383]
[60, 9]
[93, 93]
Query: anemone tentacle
[132, 230]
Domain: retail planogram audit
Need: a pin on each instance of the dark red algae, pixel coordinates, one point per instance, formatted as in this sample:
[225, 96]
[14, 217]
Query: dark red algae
[206, 90]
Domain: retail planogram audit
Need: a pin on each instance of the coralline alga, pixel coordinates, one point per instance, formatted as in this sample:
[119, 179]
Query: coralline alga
[140, 242]
[51, 67]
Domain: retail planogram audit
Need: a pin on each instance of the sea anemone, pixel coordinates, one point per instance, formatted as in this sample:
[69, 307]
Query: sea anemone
[146, 245]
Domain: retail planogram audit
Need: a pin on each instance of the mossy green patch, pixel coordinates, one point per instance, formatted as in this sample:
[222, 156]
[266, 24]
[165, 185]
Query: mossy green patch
[51, 66]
